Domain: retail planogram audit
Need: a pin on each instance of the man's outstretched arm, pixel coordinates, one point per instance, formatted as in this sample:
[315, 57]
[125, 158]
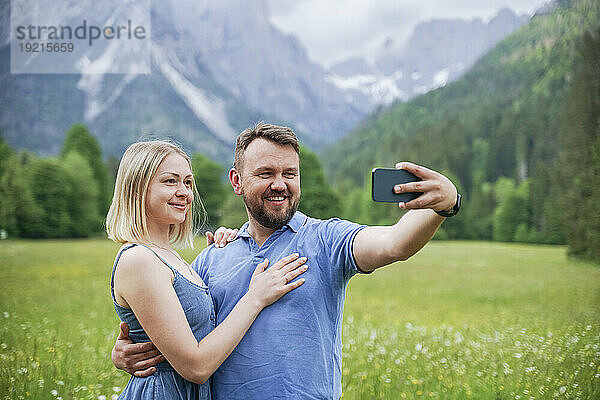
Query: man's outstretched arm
[377, 246]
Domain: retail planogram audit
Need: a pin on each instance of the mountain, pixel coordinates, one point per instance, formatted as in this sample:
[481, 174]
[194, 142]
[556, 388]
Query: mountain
[271, 71]
[216, 68]
[499, 129]
[179, 98]
[437, 52]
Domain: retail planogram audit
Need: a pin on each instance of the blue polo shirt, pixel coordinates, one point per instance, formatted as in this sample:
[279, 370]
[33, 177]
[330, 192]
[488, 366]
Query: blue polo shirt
[294, 348]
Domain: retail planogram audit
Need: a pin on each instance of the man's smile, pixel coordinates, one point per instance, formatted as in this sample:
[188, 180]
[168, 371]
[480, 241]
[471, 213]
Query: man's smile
[276, 200]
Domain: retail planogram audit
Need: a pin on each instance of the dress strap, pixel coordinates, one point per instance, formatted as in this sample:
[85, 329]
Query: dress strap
[129, 246]
[112, 275]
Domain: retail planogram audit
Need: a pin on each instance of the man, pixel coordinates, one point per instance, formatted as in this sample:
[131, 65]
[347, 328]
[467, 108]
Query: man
[293, 349]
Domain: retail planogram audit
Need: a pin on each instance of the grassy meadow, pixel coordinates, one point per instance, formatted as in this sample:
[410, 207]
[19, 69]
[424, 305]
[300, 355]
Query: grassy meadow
[459, 320]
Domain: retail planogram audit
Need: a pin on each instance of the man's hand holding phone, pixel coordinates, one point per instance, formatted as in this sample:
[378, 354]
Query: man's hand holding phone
[439, 193]
[414, 187]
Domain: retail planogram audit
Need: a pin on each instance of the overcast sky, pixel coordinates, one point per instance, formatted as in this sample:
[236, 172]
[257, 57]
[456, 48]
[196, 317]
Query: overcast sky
[332, 30]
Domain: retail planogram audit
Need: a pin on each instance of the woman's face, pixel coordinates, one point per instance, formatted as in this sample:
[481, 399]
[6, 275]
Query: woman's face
[170, 192]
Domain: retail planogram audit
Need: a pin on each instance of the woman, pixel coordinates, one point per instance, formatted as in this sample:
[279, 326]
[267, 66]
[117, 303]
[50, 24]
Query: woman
[157, 293]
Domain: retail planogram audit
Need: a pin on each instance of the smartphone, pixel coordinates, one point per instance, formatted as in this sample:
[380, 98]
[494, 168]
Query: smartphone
[384, 180]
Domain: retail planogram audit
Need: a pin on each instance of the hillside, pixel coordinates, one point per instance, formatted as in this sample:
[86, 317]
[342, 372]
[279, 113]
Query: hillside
[502, 119]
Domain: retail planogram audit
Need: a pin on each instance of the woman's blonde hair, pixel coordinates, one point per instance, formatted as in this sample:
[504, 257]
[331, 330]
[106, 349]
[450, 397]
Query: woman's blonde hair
[126, 218]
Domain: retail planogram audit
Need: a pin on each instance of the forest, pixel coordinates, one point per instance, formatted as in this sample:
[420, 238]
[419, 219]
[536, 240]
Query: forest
[68, 196]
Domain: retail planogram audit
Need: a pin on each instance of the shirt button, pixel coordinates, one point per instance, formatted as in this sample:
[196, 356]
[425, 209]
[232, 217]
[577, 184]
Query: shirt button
[212, 317]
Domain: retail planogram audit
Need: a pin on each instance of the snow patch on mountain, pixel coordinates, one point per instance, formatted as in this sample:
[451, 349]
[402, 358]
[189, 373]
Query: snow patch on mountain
[356, 82]
[440, 78]
[210, 109]
[95, 105]
[93, 74]
[379, 89]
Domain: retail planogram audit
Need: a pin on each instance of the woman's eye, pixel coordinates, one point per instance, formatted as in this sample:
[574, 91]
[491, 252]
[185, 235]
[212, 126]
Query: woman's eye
[170, 180]
[188, 183]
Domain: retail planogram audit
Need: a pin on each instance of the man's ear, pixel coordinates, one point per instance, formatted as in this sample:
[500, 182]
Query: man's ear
[236, 181]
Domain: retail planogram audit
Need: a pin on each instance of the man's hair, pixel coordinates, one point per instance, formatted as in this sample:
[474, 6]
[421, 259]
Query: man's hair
[126, 220]
[277, 134]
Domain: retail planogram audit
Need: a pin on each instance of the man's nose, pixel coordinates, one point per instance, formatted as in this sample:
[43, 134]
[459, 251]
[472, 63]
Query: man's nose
[278, 184]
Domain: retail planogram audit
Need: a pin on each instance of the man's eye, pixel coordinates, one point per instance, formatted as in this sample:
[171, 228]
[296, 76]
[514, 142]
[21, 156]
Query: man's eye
[264, 175]
[290, 175]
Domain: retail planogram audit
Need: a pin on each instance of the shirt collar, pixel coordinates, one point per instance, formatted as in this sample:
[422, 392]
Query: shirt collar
[295, 224]
[297, 221]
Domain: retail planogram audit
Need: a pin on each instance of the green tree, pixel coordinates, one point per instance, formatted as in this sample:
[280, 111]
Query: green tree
[7, 204]
[234, 212]
[20, 214]
[318, 198]
[372, 213]
[209, 181]
[51, 190]
[579, 166]
[352, 205]
[511, 212]
[83, 194]
[79, 139]
[5, 153]
[478, 212]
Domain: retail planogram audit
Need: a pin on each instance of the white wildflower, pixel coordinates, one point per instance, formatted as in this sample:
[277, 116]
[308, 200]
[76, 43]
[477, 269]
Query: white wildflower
[562, 389]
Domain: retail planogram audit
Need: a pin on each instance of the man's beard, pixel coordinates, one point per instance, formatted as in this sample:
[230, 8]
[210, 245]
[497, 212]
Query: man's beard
[269, 220]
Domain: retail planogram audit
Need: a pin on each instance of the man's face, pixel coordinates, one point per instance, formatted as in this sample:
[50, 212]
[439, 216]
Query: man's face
[270, 182]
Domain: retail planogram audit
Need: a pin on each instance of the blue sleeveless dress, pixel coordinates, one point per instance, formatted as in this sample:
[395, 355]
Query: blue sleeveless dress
[166, 383]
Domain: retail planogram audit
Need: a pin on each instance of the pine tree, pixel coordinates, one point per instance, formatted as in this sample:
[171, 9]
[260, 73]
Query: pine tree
[83, 195]
[510, 216]
[233, 212]
[8, 221]
[5, 153]
[318, 198]
[79, 139]
[209, 182]
[51, 190]
[15, 188]
[579, 165]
